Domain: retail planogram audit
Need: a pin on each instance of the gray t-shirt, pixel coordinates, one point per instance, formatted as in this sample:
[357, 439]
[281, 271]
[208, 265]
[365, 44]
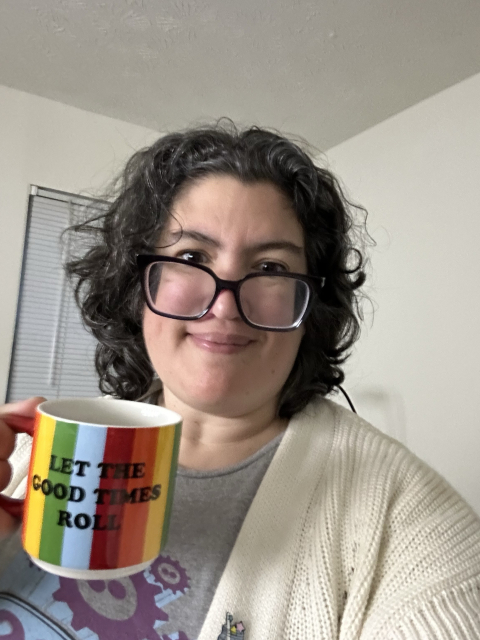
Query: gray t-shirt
[168, 601]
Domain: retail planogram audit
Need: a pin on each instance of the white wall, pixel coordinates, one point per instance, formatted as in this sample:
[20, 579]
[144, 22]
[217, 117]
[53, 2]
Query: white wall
[49, 144]
[418, 175]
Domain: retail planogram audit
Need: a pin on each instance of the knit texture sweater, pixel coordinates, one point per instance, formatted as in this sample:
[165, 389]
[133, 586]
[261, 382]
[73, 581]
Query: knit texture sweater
[350, 536]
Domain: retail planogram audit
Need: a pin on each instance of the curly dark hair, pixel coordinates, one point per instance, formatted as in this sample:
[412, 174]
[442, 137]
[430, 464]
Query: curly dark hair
[107, 284]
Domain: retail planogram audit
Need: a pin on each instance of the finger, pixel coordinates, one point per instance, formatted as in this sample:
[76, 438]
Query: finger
[7, 440]
[5, 474]
[23, 407]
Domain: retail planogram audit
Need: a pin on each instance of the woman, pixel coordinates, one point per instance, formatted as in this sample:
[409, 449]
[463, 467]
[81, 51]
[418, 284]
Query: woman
[292, 516]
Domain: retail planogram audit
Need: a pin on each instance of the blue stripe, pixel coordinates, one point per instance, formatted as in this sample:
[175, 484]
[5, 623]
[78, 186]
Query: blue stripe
[77, 543]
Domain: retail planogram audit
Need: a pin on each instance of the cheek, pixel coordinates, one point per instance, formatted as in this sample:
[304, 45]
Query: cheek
[283, 354]
[155, 334]
[149, 328]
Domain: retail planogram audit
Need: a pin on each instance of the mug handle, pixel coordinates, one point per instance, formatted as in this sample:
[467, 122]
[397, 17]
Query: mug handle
[19, 424]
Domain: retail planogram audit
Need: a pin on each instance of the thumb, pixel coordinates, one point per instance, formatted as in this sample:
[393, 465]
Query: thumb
[23, 407]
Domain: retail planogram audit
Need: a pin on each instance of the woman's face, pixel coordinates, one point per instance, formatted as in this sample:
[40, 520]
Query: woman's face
[218, 364]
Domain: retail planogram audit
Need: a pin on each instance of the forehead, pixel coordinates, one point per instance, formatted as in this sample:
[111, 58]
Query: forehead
[227, 206]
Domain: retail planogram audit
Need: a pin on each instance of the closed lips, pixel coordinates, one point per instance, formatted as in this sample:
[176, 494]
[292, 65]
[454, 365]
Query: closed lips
[223, 338]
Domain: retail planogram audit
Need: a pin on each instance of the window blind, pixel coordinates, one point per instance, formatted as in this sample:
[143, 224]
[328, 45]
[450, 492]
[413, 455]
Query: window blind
[52, 354]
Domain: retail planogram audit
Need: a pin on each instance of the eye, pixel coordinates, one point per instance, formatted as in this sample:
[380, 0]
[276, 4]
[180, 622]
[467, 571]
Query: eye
[197, 257]
[271, 267]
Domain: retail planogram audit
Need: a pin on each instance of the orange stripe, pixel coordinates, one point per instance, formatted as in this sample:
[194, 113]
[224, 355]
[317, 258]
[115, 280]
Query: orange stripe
[135, 515]
[30, 474]
[156, 509]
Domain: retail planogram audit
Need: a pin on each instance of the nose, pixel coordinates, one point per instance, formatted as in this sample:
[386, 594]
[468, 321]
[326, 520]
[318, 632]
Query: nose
[225, 306]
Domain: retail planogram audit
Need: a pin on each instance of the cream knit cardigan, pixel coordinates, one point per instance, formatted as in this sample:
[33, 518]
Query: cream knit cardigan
[350, 537]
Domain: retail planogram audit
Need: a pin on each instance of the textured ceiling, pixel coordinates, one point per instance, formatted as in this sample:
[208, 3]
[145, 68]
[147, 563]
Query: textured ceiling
[324, 69]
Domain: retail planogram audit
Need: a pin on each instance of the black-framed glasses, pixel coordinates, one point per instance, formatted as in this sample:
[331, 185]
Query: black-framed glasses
[176, 288]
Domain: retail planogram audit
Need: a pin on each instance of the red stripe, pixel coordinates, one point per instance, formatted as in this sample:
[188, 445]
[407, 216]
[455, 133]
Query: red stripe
[106, 542]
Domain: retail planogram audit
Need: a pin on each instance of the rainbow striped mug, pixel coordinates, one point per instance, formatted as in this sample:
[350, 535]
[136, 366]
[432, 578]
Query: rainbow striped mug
[100, 486]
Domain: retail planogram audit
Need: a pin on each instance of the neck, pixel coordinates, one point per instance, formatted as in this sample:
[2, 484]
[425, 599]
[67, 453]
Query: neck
[214, 441]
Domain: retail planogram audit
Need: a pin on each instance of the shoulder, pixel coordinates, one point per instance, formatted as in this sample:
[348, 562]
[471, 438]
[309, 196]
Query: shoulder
[410, 537]
[355, 444]
[364, 452]
[376, 474]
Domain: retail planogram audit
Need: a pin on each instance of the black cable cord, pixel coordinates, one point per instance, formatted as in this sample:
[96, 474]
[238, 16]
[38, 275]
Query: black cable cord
[348, 399]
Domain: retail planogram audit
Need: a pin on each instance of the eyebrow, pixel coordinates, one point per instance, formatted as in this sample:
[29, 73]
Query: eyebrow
[191, 234]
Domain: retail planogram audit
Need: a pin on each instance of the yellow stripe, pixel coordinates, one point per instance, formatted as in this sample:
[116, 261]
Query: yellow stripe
[156, 510]
[36, 501]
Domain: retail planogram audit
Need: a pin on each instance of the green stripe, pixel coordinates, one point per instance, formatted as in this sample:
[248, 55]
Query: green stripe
[171, 485]
[64, 441]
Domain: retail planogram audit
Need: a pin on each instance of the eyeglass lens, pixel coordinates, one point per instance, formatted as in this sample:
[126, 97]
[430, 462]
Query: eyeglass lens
[267, 301]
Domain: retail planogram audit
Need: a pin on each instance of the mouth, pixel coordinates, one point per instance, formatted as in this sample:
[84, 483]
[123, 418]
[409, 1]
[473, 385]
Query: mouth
[220, 342]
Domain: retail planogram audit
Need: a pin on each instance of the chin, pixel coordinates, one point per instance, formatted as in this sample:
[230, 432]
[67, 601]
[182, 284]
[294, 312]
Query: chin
[212, 401]
[230, 403]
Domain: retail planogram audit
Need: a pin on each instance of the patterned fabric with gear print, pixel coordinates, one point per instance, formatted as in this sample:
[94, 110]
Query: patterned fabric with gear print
[35, 605]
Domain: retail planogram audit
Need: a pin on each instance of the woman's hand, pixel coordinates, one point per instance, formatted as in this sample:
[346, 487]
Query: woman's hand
[25, 408]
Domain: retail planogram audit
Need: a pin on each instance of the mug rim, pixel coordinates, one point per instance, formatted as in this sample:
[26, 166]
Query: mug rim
[165, 416]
